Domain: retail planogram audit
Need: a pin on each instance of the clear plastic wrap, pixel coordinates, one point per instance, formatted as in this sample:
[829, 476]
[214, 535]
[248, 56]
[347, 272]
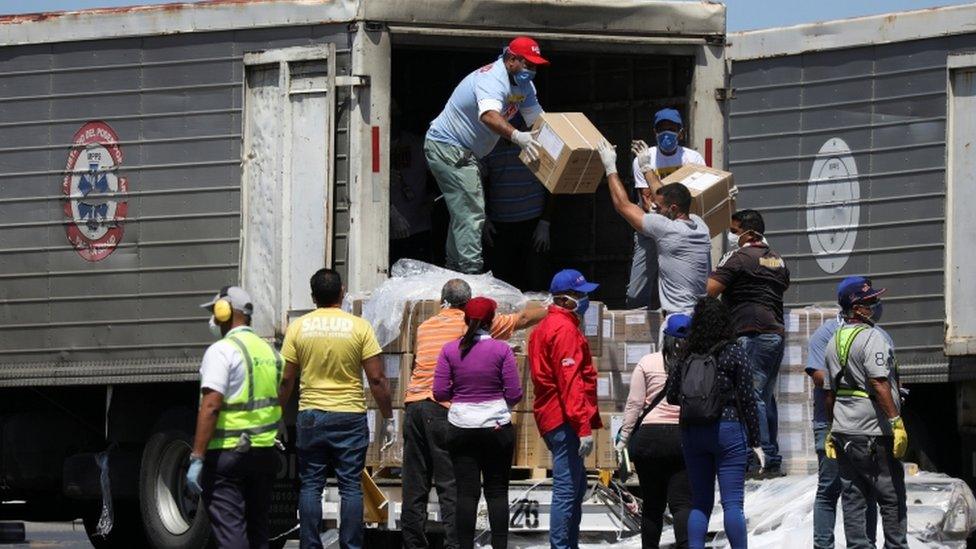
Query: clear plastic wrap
[779, 513]
[413, 280]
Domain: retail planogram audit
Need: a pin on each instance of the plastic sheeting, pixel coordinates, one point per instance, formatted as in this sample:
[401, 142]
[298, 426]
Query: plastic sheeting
[779, 513]
[412, 280]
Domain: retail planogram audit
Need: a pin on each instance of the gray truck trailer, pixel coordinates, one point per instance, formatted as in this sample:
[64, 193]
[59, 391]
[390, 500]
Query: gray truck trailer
[854, 138]
[151, 155]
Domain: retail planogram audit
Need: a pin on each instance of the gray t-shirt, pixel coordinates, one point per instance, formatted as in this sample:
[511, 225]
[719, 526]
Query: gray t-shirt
[871, 356]
[684, 258]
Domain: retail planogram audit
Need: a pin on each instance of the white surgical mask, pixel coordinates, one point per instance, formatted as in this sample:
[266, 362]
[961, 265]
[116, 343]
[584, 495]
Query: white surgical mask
[733, 240]
[215, 329]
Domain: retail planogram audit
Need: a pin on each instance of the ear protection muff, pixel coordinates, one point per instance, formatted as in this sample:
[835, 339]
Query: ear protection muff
[222, 310]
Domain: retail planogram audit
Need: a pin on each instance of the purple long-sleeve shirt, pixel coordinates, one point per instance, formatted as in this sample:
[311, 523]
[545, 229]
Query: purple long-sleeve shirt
[487, 373]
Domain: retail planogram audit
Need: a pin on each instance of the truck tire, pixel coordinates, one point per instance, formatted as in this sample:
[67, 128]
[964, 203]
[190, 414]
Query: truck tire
[173, 518]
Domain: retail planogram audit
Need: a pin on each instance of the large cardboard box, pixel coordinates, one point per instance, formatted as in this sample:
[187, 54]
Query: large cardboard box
[568, 159]
[530, 448]
[712, 192]
[606, 457]
[634, 326]
[392, 456]
[397, 368]
[593, 327]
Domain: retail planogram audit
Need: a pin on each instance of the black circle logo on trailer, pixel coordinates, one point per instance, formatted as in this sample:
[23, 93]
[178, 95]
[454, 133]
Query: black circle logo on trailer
[95, 194]
[833, 205]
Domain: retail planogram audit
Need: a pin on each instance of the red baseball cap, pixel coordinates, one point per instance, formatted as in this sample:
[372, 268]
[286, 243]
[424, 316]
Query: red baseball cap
[523, 46]
[480, 308]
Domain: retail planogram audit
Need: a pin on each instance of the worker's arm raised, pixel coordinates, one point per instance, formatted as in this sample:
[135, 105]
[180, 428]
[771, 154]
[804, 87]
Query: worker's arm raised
[632, 213]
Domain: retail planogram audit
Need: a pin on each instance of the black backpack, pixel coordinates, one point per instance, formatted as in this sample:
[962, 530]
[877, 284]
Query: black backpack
[700, 396]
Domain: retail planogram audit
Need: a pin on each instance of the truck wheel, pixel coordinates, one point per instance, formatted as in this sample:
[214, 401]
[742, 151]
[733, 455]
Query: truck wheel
[174, 519]
[126, 528]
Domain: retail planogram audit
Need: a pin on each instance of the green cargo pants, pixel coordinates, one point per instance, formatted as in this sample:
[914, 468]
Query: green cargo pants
[457, 174]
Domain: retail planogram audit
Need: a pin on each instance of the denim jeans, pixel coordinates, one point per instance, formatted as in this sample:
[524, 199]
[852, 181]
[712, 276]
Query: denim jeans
[568, 487]
[716, 450]
[766, 353]
[828, 491]
[331, 441]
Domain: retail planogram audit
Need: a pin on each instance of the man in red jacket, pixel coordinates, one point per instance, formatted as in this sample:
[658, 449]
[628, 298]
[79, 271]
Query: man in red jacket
[565, 400]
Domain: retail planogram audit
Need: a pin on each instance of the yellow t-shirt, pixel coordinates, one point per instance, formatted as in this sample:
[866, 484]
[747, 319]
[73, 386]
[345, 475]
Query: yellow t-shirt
[329, 346]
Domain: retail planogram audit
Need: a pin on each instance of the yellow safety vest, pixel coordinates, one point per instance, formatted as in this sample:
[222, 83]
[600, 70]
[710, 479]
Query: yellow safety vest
[254, 409]
[843, 340]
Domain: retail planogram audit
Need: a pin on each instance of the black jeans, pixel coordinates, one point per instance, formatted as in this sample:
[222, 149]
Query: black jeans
[237, 495]
[426, 459]
[482, 457]
[656, 453]
[868, 468]
[512, 256]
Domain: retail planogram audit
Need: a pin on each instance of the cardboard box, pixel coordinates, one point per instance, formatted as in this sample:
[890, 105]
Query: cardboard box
[636, 326]
[606, 457]
[592, 326]
[397, 368]
[528, 389]
[712, 193]
[530, 447]
[568, 159]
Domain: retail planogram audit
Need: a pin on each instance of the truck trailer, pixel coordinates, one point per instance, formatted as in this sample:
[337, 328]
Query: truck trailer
[152, 155]
[854, 138]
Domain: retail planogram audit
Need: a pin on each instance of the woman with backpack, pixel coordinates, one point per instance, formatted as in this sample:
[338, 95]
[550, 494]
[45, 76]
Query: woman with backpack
[718, 419]
[478, 375]
[652, 438]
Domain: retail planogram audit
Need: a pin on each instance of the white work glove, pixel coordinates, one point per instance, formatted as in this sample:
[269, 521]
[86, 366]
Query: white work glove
[761, 456]
[399, 226]
[586, 446]
[389, 434]
[643, 154]
[619, 448]
[540, 238]
[608, 156]
[488, 233]
[528, 143]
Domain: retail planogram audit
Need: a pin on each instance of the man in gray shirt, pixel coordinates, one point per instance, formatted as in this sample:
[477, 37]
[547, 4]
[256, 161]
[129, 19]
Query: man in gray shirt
[683, 244]
[867, 435]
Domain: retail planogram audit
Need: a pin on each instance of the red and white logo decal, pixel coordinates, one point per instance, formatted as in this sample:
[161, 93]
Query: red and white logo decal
[95, 194]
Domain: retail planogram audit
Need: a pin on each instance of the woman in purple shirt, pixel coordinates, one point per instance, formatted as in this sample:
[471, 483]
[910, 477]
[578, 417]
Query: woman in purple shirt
[477, 374]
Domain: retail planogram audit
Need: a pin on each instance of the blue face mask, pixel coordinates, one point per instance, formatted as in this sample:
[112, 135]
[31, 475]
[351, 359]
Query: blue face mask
[524, 76]
[667, 141]
[582, 304]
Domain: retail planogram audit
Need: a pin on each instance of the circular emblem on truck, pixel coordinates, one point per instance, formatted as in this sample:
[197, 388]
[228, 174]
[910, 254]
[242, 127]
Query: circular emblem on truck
[833, 212]
[95, 194]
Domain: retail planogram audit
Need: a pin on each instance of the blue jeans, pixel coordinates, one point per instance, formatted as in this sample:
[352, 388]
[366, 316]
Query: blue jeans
[331, 441]
[828, 491]
[714, 450]
[766, 353]
[568, 487]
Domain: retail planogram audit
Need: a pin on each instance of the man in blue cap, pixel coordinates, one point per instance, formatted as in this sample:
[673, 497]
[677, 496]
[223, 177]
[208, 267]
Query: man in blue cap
[565, 405]
[651, 165]
[863, 404]
[828, 474]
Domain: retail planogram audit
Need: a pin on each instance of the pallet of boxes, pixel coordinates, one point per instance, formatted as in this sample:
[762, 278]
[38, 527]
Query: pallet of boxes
[398, 357]
[618, 340]
[795, 388]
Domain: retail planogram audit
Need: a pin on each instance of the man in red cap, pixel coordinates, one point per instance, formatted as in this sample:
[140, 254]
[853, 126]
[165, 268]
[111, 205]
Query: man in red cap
[477, 113]
[565, 405]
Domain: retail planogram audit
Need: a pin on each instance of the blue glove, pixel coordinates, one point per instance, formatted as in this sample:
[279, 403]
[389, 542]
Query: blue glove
[193, 475]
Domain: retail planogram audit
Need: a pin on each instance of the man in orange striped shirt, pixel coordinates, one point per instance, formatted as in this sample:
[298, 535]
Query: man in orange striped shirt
[425, 455]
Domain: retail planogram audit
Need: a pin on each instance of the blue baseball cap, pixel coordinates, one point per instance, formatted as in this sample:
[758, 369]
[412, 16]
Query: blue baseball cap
[669, 115]
[678, 325]
[571, 280]
[856, 289]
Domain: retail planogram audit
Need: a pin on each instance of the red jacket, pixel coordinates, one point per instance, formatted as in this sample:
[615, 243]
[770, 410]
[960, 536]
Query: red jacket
[563, 374]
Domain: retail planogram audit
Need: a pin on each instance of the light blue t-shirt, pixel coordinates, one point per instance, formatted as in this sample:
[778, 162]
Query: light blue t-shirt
[488, 88]
[817, 360]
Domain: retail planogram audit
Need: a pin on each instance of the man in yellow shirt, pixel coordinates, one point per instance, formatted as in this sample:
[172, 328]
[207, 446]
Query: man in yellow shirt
[330, 349]
[425, 455]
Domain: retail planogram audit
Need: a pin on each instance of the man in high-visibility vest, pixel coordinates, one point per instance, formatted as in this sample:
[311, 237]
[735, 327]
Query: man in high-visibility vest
[863, 405]
[233, 462]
